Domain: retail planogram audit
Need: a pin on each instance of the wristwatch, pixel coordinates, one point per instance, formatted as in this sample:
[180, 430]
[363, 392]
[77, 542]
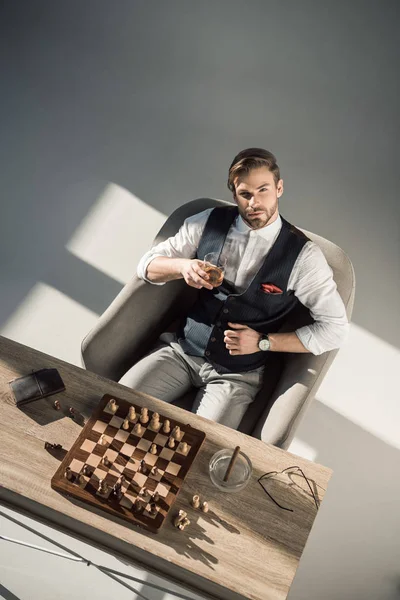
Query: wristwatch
[264, 343]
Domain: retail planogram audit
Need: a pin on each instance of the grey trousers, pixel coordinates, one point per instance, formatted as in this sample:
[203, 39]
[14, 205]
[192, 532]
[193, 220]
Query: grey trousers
[167, 372]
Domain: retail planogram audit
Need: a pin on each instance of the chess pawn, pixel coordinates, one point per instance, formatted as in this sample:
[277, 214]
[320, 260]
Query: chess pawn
[153, 470]
[117, 490]
[196, 501]
[156, 496]
[144, 415]
[153, 449]
[166, 426]
[137, 428]
[86, 470]
[137, 506]
[57, 405]
[112, 406]
[155, 422]
[153, 508]
[132, 413]
[171, 442]
[102, 440]
[176, 433]
[143, 468]
[68, 473]
[204, 507]
[103, 487]
[183, 448]
[106, 461]
[179, 518]
[125, 424]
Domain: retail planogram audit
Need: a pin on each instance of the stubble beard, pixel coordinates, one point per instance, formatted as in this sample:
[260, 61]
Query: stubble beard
[262, 220]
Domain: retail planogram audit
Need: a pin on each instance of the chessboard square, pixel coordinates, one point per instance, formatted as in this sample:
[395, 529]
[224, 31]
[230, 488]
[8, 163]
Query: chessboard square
[173, 468]
[161, 463]
[111, 454]
[144, 445]
[160, 439]
[150, 459]
[88, 446]
[163, 489]
[118, 467]
[139, 454]
[116, 422]
[93, 460]
[111, 479]
[148, 434]
[110, 431]
[167, 453]
[183, 453]
[140, 479]
[99, 474]
[99, 426]
[122, 436]
[127, 449]
[104, 496]
[76, 465]
[147, 512]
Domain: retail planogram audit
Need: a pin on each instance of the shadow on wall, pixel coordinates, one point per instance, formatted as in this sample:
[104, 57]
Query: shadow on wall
[358, 514]
[162, 105]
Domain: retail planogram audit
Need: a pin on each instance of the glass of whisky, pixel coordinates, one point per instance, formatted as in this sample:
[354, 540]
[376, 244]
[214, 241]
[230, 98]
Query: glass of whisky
[215, 267]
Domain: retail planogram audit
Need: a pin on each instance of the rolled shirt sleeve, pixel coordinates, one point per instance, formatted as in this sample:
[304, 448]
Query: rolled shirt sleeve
[313, 284]
[182, 245]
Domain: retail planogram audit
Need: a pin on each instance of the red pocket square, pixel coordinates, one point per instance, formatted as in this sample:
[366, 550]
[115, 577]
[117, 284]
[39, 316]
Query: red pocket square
[270, 288]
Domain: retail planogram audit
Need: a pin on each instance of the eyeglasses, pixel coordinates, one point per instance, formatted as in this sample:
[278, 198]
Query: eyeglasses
[290, 470]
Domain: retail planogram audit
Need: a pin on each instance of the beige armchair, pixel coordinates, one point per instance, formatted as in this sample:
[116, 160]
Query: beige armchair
[141, 312]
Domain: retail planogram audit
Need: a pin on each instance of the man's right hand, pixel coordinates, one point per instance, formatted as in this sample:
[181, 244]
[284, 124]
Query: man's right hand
[194, 275]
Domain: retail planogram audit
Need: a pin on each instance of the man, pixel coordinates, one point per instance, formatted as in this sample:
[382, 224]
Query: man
[273, 273]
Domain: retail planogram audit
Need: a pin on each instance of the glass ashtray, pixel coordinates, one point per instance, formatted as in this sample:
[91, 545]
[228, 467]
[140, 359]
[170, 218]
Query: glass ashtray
[239, 475]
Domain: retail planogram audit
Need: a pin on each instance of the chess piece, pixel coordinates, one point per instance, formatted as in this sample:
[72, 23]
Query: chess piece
[196, 501]
[143, 468]
[102, 440]
[137, 506]
[153, 509]
[144, 415]
[132, 413]
[137, 428]
[68, 473]
[86, 470]
[57, 405]
[183, 524]
[153, 449]
[112, 406]
[155, 422]
[204, 507]
[153, 470]
[176, 433]
[125, 424]
[156, 496]
[106, 461]
[79, 479]
[179, 517]
[103, 487]
[117, 489]
[72, 412]
[171, 442]
[166, 426]
[183, 448]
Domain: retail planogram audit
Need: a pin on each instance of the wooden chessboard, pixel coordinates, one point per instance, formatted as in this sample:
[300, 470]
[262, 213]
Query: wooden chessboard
[125, 449]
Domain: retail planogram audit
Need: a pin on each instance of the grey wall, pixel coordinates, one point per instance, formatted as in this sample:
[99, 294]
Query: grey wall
[159, 96]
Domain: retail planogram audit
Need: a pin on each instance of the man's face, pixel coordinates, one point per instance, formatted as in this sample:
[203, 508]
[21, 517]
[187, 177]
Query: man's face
[257, 197]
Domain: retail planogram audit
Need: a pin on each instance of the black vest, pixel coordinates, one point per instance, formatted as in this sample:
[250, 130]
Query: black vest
[202, 331]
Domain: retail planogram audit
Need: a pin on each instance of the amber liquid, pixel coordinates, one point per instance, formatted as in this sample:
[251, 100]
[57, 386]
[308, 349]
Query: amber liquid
[215, 274]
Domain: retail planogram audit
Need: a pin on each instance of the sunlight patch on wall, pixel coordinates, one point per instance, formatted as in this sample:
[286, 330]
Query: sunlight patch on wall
[51, 322]
[363, 385]
[116, 232]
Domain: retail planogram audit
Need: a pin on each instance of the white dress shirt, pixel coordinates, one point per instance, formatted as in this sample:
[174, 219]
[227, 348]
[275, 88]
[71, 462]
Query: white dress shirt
[245, 248]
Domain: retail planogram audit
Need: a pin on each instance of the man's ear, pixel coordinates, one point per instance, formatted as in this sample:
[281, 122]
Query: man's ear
[279, 188]
[234, 197]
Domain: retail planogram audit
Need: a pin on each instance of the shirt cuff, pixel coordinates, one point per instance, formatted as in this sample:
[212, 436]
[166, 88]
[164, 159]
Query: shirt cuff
[307, 338]
[142, 269]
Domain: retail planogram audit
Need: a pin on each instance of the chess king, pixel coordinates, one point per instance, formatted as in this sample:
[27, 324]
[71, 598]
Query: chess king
[273, 273]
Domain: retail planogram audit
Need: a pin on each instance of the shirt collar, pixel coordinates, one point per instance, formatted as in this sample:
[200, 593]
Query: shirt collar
[268, 232]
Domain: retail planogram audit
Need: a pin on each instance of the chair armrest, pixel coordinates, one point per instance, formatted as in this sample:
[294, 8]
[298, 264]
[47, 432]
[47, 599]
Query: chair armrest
[301, 377]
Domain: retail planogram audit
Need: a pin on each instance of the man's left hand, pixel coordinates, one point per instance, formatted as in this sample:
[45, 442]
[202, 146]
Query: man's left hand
[241, 339]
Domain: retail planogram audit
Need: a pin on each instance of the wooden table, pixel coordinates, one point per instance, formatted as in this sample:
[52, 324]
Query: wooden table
[244, 547]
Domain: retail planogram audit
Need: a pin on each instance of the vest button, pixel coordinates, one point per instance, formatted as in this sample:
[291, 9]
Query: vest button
[207, 353]
[218, 323]
[225, 310]
[213, 339]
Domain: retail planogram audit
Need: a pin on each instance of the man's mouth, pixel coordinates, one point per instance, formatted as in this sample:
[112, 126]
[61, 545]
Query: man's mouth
[254, 214]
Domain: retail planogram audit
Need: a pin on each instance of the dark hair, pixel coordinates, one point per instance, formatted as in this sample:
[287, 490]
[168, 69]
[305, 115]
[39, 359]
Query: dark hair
[252, 158]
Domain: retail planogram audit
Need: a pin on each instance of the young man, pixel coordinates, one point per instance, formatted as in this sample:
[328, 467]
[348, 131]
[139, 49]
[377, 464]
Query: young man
[273, 271]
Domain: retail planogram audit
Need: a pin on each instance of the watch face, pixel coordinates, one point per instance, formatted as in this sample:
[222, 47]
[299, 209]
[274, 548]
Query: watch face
[264, 344]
